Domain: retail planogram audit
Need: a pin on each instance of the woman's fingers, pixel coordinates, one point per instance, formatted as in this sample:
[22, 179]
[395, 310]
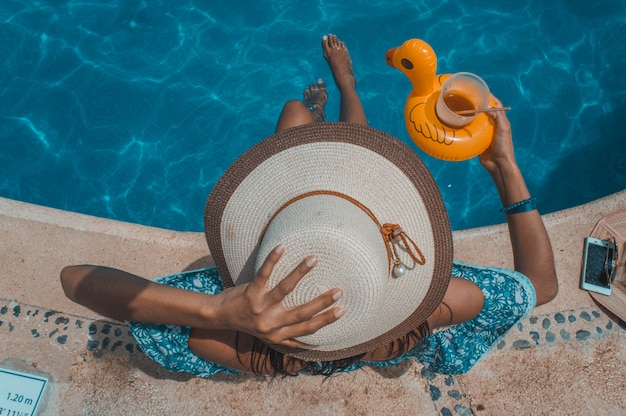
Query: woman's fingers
[318, 321]
[285, 286]
[499, 117]
[308, 318]
[311, 311]
[268, 265]
[306, 311]
[307, 327]
[288, 284]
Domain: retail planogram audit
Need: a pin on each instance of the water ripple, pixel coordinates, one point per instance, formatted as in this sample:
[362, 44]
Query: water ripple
[133, 109]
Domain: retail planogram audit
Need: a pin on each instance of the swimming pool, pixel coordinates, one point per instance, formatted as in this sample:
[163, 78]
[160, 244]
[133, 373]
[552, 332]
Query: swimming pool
[132, 110]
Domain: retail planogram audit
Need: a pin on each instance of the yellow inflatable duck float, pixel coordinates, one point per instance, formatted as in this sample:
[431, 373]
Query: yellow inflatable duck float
[417, 60]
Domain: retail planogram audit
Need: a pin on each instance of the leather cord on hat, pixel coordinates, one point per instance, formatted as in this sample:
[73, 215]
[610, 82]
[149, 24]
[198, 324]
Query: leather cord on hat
[389, 232]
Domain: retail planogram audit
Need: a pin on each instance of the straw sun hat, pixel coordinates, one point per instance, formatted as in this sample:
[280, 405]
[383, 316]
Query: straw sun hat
[363, 203]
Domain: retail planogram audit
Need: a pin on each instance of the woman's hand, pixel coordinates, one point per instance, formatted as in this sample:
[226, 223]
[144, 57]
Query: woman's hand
[501, 151]
[254, 309]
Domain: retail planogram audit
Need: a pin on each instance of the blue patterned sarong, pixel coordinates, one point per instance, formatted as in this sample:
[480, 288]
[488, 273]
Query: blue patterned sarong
[509, 298]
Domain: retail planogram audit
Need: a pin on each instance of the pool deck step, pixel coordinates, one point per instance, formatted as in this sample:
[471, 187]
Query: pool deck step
[568, 357]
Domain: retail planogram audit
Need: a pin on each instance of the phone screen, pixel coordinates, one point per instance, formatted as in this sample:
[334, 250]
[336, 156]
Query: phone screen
[596, 273]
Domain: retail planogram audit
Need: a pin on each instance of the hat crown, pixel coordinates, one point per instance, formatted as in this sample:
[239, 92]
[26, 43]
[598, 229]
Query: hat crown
[351, 255]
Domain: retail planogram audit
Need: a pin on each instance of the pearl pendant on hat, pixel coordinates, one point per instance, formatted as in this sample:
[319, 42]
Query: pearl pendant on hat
[399, 270]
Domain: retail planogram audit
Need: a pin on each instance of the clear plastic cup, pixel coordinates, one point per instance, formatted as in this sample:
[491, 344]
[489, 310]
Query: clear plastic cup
[461, 91]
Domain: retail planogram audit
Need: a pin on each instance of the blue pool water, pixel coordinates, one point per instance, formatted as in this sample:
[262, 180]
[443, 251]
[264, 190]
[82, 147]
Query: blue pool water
[133, 109]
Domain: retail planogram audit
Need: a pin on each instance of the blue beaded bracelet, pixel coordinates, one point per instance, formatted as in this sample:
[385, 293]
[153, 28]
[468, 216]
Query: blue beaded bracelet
[521, 206]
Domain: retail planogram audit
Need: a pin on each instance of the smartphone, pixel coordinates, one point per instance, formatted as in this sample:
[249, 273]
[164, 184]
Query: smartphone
[598, 266]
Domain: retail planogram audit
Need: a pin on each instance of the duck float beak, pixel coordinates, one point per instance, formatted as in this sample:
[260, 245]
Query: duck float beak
[389, 57]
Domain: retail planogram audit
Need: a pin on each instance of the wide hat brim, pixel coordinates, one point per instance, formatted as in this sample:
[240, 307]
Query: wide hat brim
[366, 164]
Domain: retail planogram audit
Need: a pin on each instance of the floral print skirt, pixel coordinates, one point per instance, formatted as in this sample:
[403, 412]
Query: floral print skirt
[509, 298]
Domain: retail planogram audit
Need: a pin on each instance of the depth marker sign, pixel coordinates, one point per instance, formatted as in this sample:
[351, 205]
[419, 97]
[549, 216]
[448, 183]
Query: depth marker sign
[20, 393]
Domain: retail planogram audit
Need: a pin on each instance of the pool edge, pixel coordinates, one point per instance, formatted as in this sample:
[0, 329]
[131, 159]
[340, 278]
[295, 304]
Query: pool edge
[38, 241]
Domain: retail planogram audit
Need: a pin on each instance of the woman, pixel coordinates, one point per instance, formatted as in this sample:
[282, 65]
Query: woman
[247, 327]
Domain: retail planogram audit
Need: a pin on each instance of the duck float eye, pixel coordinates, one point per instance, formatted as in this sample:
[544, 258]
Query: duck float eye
[443, 112]
[406, 63]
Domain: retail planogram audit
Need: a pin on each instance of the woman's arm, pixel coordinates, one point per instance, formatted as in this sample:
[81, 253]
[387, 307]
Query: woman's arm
[249, 308]
[532, 252]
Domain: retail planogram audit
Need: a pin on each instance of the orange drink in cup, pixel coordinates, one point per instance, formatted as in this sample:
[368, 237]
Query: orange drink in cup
[462, 91]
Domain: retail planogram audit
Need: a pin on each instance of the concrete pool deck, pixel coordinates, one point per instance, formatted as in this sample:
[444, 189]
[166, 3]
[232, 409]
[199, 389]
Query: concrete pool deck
[568, 357]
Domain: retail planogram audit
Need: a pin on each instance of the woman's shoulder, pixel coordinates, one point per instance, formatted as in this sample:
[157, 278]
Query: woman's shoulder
[462, 301]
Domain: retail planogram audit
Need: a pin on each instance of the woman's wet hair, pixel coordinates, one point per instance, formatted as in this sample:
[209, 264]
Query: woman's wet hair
[263, 358]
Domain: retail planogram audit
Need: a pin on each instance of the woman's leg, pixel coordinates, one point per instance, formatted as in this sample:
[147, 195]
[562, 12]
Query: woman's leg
[338, 58]
[294, 114]
[309, 110]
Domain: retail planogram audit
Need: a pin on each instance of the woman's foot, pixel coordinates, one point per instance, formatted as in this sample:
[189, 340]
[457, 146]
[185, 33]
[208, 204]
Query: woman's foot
[315, 98]
[338, 58]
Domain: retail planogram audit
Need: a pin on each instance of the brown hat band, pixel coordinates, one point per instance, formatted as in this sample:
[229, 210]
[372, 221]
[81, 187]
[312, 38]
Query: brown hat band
[389, 232]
